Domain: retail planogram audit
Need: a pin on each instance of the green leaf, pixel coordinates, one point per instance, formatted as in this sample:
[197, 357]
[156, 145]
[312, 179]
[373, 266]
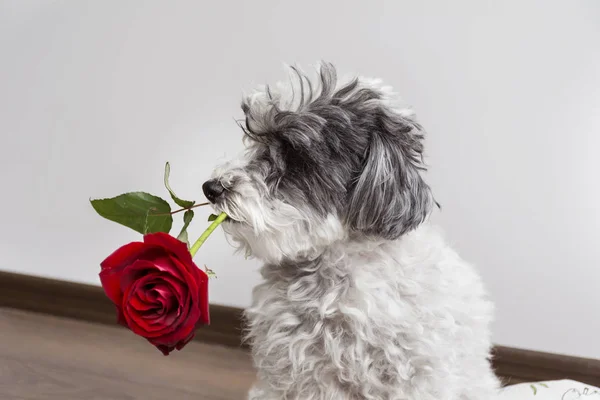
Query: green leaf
[212, 217]
[210, 272]
[142, 212]
[543, 384]
[183, 235]
[181, 203]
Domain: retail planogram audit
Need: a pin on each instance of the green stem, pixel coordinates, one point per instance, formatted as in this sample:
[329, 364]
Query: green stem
[186, 209]
[207, 233]
[180, 210]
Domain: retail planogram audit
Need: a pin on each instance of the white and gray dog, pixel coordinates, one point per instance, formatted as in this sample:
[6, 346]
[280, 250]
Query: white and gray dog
[361, 298]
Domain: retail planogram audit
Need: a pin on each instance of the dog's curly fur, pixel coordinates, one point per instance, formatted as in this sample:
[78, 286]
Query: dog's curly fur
[361, 299]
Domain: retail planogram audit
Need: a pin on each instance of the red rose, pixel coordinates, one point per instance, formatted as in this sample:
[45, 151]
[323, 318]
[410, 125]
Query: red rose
[159, 292]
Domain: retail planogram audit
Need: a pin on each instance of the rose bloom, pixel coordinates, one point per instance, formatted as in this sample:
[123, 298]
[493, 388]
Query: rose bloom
[159, 292]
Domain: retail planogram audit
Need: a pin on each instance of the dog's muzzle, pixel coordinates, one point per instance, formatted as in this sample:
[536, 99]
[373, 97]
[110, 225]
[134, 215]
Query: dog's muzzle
[213, 190]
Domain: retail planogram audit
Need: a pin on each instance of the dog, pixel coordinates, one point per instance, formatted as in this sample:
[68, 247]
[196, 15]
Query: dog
[361, 297]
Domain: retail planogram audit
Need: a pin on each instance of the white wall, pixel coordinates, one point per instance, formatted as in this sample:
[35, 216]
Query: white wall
[96, 95]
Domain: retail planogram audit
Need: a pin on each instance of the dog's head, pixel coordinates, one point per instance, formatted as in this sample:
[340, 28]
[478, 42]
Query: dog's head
[324, 162]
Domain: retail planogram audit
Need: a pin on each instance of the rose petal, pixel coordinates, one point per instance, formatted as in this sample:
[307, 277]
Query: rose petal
[142, 327]
[137, 323]
[161, 262]
[110, 281]
[166, 319]
[165, 264]
[171, 287]
[201, 302]
[191, 278]
[203, 299]
[173, 245]
[113, 266]
[173, 338]
[185, 341]
[165, 349]
[191, 292]
[154, 324]
[135, 318]
[161, 291]
[187, 325]
[141, 304]
[123, 256]
[139, 269]
[165, 297]
[198, 290]
[183, 278]
[150, 295]
[145, 267]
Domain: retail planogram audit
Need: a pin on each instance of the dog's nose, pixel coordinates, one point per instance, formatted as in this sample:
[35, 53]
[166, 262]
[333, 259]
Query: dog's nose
[212, 190]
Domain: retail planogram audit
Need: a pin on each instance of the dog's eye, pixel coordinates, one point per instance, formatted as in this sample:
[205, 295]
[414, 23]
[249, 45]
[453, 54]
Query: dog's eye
[296, 162]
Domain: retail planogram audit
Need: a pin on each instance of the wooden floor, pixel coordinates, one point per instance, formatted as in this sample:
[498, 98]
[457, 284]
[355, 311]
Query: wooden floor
[49, 358]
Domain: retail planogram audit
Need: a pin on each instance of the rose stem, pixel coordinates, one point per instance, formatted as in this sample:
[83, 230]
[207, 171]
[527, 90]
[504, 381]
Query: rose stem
[207, 233]
[180, 210]
[189, 208]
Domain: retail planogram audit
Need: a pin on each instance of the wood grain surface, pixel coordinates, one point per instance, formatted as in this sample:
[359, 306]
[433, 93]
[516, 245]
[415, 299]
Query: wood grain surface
[88, 303]
[52, 358]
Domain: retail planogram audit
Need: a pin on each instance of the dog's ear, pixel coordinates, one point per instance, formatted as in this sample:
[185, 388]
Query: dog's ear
[389, 197]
